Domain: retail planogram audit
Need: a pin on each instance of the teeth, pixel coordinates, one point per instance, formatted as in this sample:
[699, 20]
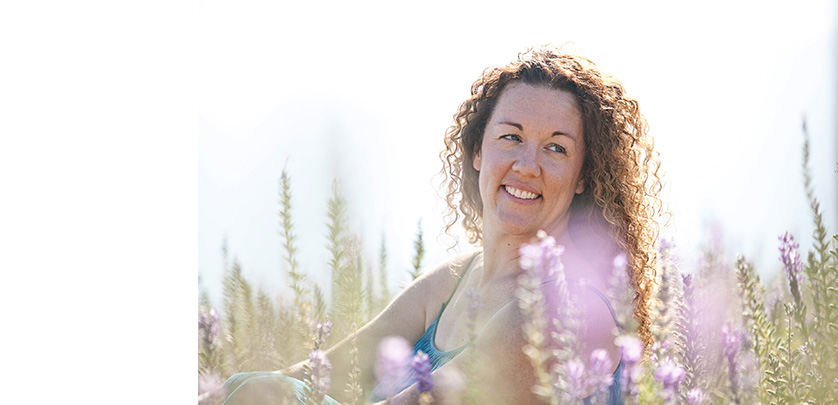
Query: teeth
[521, 193]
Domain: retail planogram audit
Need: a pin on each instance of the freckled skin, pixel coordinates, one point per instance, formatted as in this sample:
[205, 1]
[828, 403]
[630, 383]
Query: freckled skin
[533, 141]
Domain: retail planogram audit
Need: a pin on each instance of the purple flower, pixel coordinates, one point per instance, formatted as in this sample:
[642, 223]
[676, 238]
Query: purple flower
[695, 396]
[321, 331]
[600, 377]
[620, 263]
[421, 366]
[791, 264]
[631, 351]
[575, 372]
[321, 371]
[731, 345]
[665, 244]
[541, 257]
[391, 366]
[671, 375]
[731, 341]
[631, 348]
[208, 325]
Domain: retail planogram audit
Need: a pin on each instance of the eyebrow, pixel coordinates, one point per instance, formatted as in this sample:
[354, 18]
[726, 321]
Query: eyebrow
[521, 128]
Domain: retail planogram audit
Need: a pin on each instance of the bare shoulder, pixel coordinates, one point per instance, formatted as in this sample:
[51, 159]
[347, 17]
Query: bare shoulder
[439, 281]
[408, 313]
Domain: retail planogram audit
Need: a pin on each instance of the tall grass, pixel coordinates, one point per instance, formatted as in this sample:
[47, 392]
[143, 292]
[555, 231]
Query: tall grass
[722, 335]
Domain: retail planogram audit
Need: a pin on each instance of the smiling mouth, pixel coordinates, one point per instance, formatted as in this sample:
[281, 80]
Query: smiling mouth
[524, 195]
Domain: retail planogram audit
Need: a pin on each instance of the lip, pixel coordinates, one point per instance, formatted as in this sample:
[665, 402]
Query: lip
[522, 187]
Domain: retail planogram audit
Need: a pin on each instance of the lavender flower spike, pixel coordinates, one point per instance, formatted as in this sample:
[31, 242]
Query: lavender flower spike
[671, 375]
[731, 344]
[665, 244]
[321, 331]
[575, 371]
[541, 257]
[600, 377]
[321, 371]
[208, 324]
[791, 264]
[695, 396]
[421, 366]
[631, 348]
[631, 351]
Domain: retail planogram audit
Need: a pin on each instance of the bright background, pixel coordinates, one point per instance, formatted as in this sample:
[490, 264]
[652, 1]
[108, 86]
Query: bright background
[364, 94]
[134, 136]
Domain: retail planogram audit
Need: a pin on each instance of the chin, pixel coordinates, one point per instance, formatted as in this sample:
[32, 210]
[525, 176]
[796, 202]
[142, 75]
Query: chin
[524, 231]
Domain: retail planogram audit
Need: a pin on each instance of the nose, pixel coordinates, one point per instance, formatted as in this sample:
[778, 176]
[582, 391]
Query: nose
[526, 163]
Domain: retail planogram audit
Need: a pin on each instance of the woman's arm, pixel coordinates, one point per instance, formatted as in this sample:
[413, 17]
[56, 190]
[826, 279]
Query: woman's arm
[405, 316]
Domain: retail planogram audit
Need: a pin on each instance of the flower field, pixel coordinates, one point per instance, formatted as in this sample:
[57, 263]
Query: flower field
[722, 335]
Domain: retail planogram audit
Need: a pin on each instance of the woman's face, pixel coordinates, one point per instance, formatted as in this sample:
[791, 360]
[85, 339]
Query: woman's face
[530, 160]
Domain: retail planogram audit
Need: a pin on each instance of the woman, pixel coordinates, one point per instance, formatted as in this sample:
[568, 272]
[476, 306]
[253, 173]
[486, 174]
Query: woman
[545, 143]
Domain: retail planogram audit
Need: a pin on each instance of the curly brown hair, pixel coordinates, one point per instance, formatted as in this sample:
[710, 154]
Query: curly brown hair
[620, 168]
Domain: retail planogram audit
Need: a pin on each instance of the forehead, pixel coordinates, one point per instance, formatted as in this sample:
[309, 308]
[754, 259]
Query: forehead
[540, 105]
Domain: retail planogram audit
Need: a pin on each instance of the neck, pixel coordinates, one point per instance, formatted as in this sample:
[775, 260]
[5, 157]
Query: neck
[500, 253]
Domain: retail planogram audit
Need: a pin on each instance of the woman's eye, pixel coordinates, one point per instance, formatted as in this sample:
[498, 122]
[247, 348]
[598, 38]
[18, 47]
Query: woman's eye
[557, 148]
[511, 137]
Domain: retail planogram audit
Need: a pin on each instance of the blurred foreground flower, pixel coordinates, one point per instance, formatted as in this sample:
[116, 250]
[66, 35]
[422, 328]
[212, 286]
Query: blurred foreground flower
[210, 388]
[631, 351]
[392, 364]
[543, 257]
[671, 375]
[575, 372]
[600, 377]
[552, 321]
[695, 396]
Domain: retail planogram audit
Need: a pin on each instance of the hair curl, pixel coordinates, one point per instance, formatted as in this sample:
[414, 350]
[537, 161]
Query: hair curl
[620, 167]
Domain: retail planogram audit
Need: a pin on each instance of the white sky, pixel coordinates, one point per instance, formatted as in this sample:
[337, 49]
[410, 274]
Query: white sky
[364, 94]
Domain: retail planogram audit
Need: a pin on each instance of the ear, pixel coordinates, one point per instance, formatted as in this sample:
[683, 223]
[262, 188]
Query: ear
[580, 185]
[475, 161]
